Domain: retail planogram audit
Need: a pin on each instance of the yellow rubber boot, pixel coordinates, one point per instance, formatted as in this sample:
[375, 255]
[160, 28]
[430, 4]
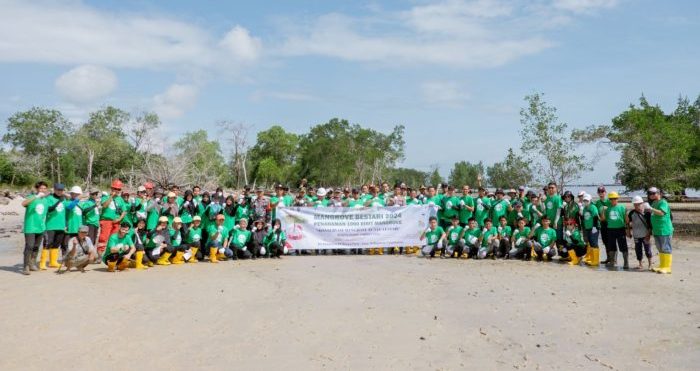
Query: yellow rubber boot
[111, 266]
[587, 257]
[124, 265]
[193, 258]
[665, 265]
[163, 260]
[380, 251]
[594, 258]
[178, 258]
[53, 258]
[43, 258]
[575, 260]
[212, 255]
[138, 260]
[371, 251]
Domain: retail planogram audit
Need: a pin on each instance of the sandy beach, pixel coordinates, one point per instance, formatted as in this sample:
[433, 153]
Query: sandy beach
[349, 312]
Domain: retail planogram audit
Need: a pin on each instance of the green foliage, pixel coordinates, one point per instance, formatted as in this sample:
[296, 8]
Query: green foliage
[548, 144]
[274, 154]
[435, 179]
[466, 173]
[512, 172]
[204, 159]
[412, 177]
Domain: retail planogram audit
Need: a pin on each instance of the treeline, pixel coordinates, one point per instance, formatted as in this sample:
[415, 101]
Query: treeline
[657, 148]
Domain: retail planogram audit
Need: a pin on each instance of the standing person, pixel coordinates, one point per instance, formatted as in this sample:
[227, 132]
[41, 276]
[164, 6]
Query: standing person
[34, 227]
[56, 223]
[601, 204]
[171, 209]
[276, 240]
[119, 249]
[574, 245]
[639, 229]
[188, 209]
[616, 217]
[537, 209]
[553, 207]
[466, 206]
[483, 207]
[243, 212]
[662, 229]
[591, 230]
[434, 236]
[79, 251]
[261, 206]
[153, 208]
[500, 206]
[91, 215]
[450, 207]
[280, 200]
[74, 213]
[113, 210]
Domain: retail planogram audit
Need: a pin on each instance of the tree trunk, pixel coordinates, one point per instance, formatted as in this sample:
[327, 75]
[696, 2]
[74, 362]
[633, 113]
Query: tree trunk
[91, 158]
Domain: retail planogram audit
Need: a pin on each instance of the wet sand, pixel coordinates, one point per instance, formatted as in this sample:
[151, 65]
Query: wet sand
[351, 312]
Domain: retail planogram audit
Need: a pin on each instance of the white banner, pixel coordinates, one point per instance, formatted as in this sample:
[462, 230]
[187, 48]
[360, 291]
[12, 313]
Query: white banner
[310, 228]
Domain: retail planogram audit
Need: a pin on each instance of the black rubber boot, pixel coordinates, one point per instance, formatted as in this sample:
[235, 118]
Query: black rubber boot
[611, 258]
[626, 263]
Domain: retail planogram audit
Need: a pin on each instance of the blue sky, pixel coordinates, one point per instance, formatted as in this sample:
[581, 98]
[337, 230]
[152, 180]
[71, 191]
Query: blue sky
[454, 72]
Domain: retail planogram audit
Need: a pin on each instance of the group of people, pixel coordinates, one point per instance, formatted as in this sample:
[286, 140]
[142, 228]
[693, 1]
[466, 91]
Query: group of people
[157, 226]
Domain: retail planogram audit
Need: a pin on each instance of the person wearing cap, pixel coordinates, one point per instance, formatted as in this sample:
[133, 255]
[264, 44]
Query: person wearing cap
[301, 200]
[113, 210]
[80, 251]
[139, 235]
[258, 234]
[194, 239]
[616, 217]
[275, 240]
[375, 201]
[261, 206]
[176, 231]
[241, 242]
[574, 244]
[570, 208]
[34, 228]
[661, 229]
[591, 230]
[171, 208]
[639, 229]
[56, 223]
[91, 214]
[601, 204]
[74, 212]
[119, 249]
[158, 249]
[174, 188]
[466, 206]
[449, 205]
[545, 242]
[483, 207]
[321, 200]
[153, 209]
[218, 240]
[337, 199]
[434, 237]
[135, 205]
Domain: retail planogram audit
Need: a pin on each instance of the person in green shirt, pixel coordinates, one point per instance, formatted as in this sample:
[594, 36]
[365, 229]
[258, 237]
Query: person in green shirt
[354, 201]
[119, 249]
[574, 245]
[591, 230]
[194, 238]
[153, 208]
[521, 245]
[177, 235]
[537, 210]
[34, 227]
[218, 240]
[616, 217]
[434, 237]
[232, 213]
[517, 211]
[483, 207]
[450, 207]
[91, 214]
[275, 240]
[553, 208]
[488, 241]
[413, 198]
[504, 233]
[500, 206]
[433, 200]
[74, 212]
[280, 200]
[321, 200]
[471, 236]
[241, 241]
[112, 212]
[56, 223]
[570, 208]
[455, 244]
[466, 206]
[601, 204]
[545, 243]
[188, 209]
[661, 229]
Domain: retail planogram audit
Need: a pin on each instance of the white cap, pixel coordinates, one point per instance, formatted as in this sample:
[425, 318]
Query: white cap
[582, 193]
[653, 190]
[587, 197]
[321, 191]
[637, 200]
[77, 190]
[141, 189]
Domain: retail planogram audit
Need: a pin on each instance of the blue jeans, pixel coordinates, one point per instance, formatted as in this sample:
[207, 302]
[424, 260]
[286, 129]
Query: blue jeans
[591, 238]
[663, 244]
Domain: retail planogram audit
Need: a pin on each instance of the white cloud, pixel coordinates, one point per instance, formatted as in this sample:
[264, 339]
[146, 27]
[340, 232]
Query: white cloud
[177, 99]
[71, 33]
[444, 93]
[260, 95]
[86, 83]
[455, 33]
[583, 6]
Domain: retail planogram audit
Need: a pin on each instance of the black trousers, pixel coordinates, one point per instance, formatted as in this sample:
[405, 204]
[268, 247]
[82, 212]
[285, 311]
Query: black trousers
[115, 257]
[580, 250]
[32, 242]
[56, 239]
[616, 240]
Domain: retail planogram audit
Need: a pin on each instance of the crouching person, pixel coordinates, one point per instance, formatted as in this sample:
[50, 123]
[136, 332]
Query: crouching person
[455, 245]
[176, 239]
[489, 240]
[545, 239]
[504, 233]
[258, 235]
[574, 245]
[119, 249]
[275, 240]
[471, 236]
[194, 239]
[140, 237]
[434, 236]
[80, 251]
[242, 241]
[521, 245]
[218, 240]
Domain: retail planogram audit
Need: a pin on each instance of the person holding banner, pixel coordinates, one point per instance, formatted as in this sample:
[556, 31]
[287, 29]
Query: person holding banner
[434, 236]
